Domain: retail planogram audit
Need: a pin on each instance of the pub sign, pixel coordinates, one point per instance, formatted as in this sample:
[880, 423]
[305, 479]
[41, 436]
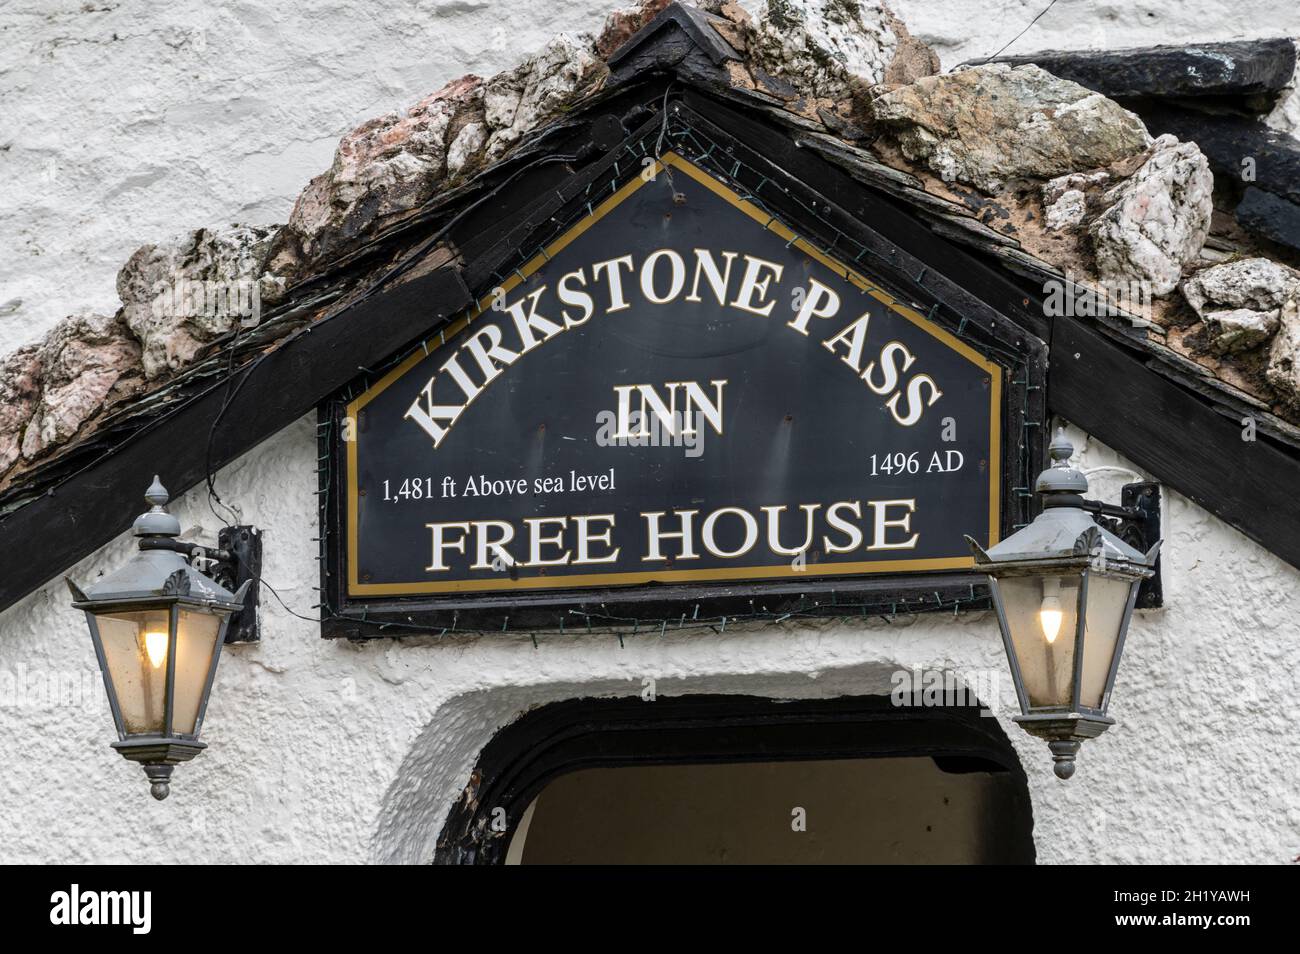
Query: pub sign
[678, 390]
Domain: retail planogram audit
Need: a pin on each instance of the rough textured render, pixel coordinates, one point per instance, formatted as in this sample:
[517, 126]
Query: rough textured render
[1158, 219]
[180, 296]
[992, 124]
[373, 742]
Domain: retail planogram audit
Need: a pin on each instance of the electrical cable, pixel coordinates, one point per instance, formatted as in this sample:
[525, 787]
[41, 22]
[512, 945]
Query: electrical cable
[1022, 32]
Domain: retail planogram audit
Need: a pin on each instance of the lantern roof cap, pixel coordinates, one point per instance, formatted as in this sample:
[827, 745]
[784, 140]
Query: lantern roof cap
[1063, 533]
[157, 575]
[158, 570]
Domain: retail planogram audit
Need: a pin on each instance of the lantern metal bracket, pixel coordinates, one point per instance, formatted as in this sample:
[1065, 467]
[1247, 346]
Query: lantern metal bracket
[244, 544]
[236, 559]
[1136, 521]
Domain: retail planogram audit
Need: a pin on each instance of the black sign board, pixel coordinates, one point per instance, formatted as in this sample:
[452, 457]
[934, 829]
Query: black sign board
[678, 390]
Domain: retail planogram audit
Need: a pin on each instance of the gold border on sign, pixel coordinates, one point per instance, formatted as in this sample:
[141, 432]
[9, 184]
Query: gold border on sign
[356, 588]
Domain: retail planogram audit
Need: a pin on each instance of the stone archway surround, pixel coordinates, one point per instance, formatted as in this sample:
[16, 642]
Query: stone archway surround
[439, 778]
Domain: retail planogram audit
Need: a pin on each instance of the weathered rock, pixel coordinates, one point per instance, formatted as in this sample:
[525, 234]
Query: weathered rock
[389, 166]
[382, 170]
[836, 49]
[1283, 371]
[1065, 198]
[466, 148]
[1241, 304]
[538, 89]
[1157, 219]
[913, 58]
[1254, 283]
[180, 296]
[1068, 211]
[20, 389]
[88, 363]
[1240, 329]
[993, 124]
[1240, 301]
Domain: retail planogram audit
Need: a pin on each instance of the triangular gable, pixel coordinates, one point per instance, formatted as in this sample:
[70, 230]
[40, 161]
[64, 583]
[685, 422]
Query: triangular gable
[830, 400]
[80, 500]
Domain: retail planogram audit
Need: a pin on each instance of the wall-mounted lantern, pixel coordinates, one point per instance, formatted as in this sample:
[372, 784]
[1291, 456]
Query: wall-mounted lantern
[1064, 588]
[158, 625]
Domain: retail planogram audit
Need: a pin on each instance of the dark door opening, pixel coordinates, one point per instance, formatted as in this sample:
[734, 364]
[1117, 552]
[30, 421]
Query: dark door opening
[736, 779]
[845, 811]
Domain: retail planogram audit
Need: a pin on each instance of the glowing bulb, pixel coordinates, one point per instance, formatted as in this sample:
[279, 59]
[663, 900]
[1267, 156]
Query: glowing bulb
[1049, 614]
[155, 647]
[1049, 617]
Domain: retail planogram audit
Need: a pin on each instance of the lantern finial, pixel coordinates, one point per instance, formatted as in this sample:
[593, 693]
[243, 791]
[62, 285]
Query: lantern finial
[1060, 450]
[1063, 753]
[160, 776]
[156, 496]
[157, 522]
[1060, 478]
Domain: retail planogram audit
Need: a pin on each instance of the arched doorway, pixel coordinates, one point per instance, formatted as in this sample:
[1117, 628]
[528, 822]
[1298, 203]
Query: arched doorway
[723, 778]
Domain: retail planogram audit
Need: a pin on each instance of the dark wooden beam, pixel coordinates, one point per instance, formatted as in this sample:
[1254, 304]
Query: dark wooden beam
[1173, 433]
[695, 28]
[1235, 68]
[92, 507]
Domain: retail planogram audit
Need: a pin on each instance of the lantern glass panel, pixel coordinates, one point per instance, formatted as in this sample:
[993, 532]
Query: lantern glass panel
[1107, 601]
[196, 638]
[1042, 616]
[135, 651]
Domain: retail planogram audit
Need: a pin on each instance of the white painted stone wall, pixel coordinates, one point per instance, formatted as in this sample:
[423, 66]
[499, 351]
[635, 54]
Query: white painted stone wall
[123, 123]
[330, 751]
